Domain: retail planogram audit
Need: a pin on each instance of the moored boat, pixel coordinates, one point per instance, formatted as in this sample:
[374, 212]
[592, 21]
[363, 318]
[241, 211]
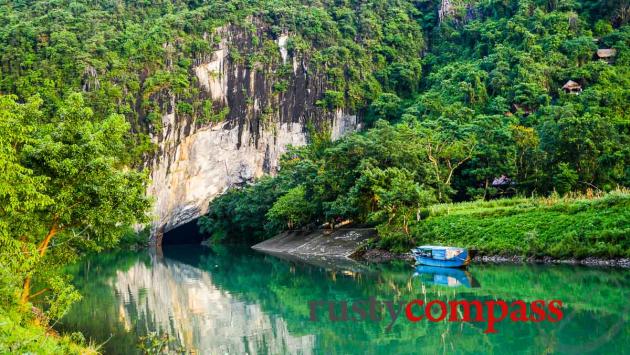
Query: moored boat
[440, 256]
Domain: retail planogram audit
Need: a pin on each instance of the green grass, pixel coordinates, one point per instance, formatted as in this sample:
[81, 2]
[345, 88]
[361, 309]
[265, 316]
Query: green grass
[20, 335]
[570, 227]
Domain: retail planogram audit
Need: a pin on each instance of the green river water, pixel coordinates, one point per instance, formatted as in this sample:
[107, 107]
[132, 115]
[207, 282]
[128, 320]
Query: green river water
[233, 300]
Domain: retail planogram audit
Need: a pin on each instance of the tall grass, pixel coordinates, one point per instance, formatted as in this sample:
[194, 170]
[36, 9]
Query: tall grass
[525, 202]
[572, 226]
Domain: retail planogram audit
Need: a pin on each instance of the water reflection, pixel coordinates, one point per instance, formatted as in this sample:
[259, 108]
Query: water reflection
[182, 300]
[442, 276]
[238, 301]
[134, 295]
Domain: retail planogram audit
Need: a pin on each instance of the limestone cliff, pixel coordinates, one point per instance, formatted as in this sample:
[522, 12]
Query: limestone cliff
[253, 110]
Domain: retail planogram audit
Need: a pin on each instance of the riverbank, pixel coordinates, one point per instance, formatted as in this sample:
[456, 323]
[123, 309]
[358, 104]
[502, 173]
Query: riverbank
[581, 230]
[380, 255]
[554, 228]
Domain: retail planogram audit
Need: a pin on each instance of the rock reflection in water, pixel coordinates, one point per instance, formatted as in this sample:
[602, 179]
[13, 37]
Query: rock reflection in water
[231, 300]
[173, 297]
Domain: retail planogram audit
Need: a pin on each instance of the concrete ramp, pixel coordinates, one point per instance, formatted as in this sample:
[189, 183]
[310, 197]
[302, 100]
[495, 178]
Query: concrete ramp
[331, 263]
[341, 243]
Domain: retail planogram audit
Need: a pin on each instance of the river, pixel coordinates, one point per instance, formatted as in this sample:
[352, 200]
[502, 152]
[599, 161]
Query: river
[232, 300]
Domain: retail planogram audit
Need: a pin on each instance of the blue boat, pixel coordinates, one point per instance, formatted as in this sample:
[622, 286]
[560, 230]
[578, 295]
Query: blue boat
[432, 255]
[441, 276]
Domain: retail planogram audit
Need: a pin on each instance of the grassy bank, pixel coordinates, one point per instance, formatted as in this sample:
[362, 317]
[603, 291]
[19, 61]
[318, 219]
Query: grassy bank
[20, 335]
[558, 227]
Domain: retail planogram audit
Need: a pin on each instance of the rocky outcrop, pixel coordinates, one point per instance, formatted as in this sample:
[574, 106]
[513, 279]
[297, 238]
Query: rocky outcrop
[446, 9]
[247, 111]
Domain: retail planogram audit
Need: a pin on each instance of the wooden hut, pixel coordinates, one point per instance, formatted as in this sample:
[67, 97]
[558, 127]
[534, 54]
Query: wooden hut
[606, 54]
[571, 87]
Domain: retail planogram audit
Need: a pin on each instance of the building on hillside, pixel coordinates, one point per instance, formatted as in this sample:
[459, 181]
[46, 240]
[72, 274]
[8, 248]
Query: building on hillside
[502, 181]
[607, 55]
[571, 87]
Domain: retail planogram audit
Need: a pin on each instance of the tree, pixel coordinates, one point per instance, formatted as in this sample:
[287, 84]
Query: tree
[579, 50]
[590, 145]
[528, 154]
[79, 196]
[387, 106]
[446, 154]
[292, 208]
[494, 155]
[242, 212]
[565, 179]
[397, 195]
[21, 193]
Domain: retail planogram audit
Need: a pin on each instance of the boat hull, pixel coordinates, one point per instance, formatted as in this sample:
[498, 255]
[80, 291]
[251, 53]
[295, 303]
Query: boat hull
[442, 263]
[461, 260]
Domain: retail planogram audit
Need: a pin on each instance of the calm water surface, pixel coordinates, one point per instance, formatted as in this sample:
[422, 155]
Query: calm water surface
[237, 301]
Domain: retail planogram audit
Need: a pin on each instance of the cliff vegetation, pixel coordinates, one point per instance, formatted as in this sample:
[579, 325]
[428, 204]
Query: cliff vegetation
[516, 99]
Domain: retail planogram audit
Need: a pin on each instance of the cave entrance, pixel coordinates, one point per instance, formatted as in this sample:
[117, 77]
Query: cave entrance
[187, 233]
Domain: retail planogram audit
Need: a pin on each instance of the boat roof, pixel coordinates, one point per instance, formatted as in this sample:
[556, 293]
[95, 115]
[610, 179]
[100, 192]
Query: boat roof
[437, 247]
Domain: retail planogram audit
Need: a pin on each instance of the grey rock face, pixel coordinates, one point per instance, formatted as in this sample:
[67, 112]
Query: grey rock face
[197, 159]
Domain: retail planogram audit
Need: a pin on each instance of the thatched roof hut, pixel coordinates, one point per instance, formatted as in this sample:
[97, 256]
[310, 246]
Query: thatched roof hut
[606, 53]
[571, 87]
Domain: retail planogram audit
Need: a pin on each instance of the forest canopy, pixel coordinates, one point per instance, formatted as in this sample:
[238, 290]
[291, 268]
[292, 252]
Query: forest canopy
[515, 98]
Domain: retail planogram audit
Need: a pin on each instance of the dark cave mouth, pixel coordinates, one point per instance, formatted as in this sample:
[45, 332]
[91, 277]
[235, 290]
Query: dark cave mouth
[187, 233]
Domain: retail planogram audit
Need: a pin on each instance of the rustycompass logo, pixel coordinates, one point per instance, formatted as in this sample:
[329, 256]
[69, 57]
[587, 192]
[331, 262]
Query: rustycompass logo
[490, 312]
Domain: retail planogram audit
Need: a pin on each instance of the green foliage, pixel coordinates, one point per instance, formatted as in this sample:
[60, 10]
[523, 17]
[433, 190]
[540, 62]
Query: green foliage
[132, 239]
[184, 108]
[210, 114]
[332, 100]
[566, 179]
[480, 115]
[64, 190]
[292, 209]
[602, 28]
[18, 335]
[387, 106]
[240, 213]
[280, 86]
[511, 60]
